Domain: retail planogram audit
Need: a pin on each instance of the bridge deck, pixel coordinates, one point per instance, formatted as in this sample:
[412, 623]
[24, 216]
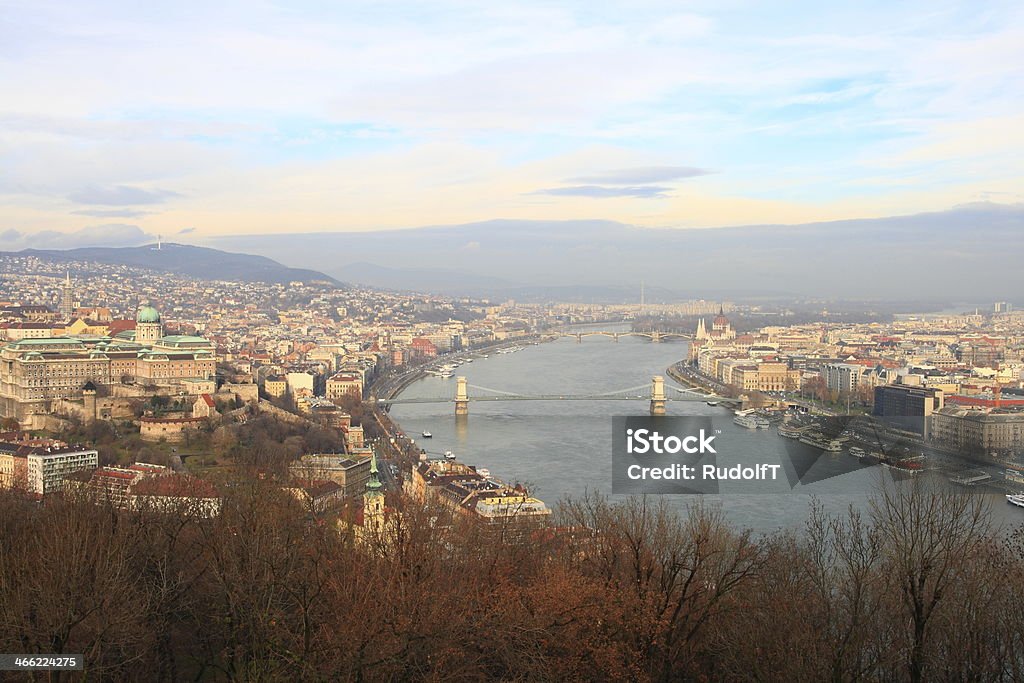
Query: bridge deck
[553, 397]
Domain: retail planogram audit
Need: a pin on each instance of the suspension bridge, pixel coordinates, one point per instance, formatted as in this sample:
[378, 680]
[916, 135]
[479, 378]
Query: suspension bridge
[658, 394]
[654, 336]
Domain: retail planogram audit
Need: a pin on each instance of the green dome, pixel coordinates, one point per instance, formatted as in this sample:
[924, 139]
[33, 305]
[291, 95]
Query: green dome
[147, 314]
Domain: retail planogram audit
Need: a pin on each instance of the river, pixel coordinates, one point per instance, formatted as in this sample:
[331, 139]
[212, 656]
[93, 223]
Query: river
[562, 449]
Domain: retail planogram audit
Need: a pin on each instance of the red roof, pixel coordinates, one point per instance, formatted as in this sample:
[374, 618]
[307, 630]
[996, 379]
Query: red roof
[117, 326]
[175, 485]
[208, 400]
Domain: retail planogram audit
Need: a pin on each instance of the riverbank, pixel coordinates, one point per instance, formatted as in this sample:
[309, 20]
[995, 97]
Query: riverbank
[674, 372]
[394, 386]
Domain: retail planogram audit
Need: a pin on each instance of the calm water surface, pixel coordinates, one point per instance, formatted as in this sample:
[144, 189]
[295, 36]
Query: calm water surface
[563, 448]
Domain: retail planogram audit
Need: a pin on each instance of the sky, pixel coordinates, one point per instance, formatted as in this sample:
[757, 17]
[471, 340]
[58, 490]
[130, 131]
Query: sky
[123, 120]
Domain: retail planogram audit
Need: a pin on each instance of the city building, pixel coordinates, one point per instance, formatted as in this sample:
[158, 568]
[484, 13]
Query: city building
[351, 473]
[344, 384]
[317, 496]
[907, 406]
[483, 499]
[67, 304]
[142, 486]
[41, 469]
[842, 377]
[978, 430]
[275, 386]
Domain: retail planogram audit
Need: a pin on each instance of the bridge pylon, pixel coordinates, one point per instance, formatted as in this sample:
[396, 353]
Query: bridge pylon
[657, 395]
[655, 336]
[461, 397]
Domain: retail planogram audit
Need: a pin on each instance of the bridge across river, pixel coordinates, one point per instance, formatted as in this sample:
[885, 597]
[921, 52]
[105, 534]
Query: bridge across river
[658, 395]
[654, 336]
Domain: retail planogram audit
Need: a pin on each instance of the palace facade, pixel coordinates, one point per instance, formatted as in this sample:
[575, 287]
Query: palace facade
[34, 373]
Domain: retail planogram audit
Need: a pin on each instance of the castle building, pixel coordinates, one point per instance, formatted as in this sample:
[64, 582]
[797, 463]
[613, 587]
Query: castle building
[37, 372]
[148, 328]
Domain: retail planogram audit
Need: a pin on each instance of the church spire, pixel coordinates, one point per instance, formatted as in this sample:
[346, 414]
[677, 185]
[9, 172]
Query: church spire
[373, 498]
[374, 485]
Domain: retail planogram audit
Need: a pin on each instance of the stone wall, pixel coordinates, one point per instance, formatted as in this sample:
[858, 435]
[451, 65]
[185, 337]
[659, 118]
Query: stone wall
[246, 392]
[169, 429]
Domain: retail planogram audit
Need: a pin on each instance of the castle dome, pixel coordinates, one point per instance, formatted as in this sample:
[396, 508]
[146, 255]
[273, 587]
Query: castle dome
[147, 314]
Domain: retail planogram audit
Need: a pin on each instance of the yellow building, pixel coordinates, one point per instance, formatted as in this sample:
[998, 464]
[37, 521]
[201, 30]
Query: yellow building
[276, 387]
[80, 327]
[344, 384]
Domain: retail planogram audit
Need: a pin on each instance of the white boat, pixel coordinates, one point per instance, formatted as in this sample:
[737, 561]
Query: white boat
[857, 452]
[748, 421]
[712, 403]
[448, 455]
[762, 422]
[427, 435]
[1017, 500]
[483, 472]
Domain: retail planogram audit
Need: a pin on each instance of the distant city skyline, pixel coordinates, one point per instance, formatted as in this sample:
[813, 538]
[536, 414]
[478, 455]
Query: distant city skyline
[120, 122]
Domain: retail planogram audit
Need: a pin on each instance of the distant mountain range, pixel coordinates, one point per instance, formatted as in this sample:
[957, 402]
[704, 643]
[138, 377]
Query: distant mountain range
[190, 261]
[966, 253]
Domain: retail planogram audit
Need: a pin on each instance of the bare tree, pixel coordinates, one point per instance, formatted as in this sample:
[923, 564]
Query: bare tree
[928, 540]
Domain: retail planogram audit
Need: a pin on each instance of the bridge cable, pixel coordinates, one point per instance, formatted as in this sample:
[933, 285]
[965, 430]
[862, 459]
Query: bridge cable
[496, 391]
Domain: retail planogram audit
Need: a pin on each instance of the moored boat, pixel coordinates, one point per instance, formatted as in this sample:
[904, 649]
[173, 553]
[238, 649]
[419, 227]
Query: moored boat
[1013, 474]
[790, 432]
[747, 421]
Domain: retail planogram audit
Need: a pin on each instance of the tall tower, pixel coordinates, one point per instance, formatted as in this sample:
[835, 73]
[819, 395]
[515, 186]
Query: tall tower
[373, 499]
[148, 328]
[462, 396]
[67, 306]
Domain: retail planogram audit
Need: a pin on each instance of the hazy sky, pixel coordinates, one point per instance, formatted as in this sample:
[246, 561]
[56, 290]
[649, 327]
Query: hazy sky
[206, 118]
